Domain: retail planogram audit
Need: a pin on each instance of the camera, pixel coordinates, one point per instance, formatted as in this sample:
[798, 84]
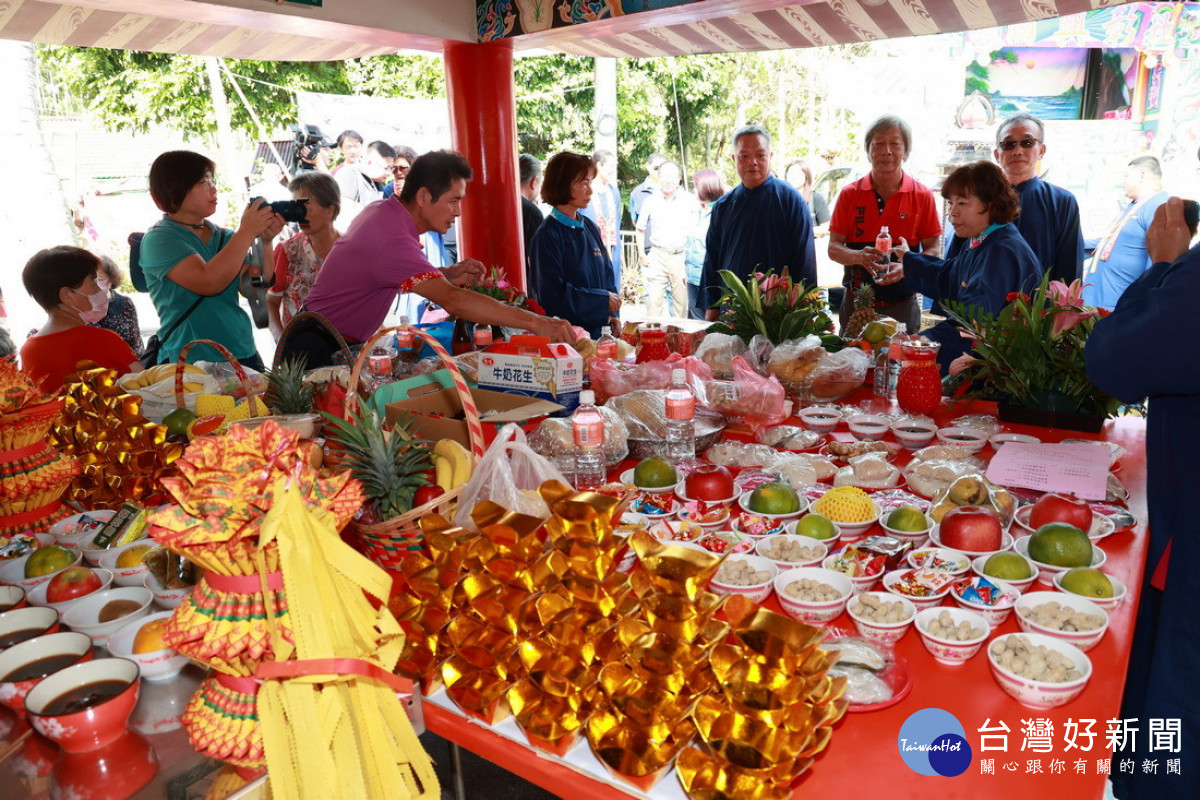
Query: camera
[307, 144]
[290, 210]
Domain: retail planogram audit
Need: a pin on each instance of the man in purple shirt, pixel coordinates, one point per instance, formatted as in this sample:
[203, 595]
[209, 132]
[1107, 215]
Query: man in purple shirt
[381, 254]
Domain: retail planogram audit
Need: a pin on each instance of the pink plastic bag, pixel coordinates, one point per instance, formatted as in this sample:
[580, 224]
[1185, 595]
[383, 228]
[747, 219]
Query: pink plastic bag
[613, 379]
[750, 397]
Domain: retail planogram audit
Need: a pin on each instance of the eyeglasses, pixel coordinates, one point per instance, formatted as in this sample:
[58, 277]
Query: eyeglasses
[400, 169]
[1024, 144]
[208, 181]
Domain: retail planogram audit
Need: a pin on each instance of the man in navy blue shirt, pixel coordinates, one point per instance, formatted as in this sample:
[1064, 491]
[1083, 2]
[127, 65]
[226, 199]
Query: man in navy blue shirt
[762, 225]
[1049, 218]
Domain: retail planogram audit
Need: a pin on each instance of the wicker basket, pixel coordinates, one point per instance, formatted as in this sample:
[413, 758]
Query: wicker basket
[389, 541]
[238, 370]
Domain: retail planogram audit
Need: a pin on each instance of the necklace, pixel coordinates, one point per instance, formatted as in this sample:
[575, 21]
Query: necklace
[196, 226]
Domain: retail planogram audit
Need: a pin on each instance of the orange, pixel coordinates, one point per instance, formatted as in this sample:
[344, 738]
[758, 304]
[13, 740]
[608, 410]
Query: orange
[133, 556]
[149, 638]
[774, 498]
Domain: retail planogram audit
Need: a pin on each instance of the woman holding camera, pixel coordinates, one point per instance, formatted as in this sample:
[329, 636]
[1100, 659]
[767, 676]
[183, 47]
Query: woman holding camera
[298, 260]
[192, 266]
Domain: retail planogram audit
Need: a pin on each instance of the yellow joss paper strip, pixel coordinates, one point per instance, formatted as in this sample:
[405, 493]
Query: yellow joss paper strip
[336, 734]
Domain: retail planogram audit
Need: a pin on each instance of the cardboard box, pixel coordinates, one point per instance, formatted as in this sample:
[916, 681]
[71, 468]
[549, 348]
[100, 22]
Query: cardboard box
[532, 366]
[437, 411]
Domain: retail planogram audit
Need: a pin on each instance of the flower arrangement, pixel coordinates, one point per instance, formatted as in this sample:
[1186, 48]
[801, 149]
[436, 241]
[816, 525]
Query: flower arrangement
[1031, 353]
[771, 305]
[496, 286]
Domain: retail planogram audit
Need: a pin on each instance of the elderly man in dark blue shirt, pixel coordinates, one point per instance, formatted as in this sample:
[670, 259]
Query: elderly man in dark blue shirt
[1049, 219]
[763, 224]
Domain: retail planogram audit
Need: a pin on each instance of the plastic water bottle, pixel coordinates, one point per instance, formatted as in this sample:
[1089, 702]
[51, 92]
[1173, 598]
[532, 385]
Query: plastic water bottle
[606, 345]
[883, 243]
[588, 427]
[895, 355]
[482, 336]
[406, 342]
[882, 365]
[681, 419]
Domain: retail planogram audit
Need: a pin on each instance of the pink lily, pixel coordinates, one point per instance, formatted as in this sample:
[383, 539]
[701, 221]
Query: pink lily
[1069, 310]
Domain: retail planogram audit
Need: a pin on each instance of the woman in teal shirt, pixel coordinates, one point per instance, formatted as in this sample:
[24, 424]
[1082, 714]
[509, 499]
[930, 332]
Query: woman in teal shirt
[190, 263]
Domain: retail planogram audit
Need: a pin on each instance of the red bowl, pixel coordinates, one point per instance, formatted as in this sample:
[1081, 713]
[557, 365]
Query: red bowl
[12, 693]
[112, 772]
[91, 728]
[36, 620]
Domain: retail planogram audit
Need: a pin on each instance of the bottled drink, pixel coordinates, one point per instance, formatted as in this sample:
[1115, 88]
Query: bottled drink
[379, 366]
[461, 341]
[895, 354]
[406, 342]
[883, 243]
[588, 427]
[681, 415]
[606, 346]
[881, 371]
[482, 336]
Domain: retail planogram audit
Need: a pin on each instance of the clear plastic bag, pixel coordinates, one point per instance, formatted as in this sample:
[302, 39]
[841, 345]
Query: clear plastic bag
[838, 374]
[751, 398]
[508, 474]
[718, 351]
[554, 439]
[613, 379]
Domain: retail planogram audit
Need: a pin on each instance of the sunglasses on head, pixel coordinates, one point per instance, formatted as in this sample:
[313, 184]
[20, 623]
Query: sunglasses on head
[1024, 144]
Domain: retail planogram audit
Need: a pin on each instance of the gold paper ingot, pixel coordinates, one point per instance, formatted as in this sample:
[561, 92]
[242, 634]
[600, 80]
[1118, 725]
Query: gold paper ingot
[706, 777]
[556, 672]
[493, 520]
[770, 635]
[637, 755]
[550, 723]
[679, 617]
[481, 645]
[674, 569]
[587, 559]
[478, 693]
[420, 661]
[828, 689]
[542, 573]
[750, 743]
[605, 596]
[644, 704]
[500, 607]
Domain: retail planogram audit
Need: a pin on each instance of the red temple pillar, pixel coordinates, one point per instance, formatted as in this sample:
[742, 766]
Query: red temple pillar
[483, 124]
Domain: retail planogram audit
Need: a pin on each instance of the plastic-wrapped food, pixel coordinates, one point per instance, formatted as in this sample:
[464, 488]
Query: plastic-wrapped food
[759, 353]
[613, 379]
[974, 490]
[794, 361]
[985, 423]
[838, 374]
[718, 350]
[932, 469]
[739, 454]
[753, 399]
[800, 470]
[789, 437]
[854, 651]
[554, 439]
[868, 471]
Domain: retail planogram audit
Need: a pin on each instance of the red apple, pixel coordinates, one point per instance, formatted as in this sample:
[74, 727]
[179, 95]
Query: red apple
[72, 582]
[710, 483]
[1055, 507]
[426, 493]
[971, 528]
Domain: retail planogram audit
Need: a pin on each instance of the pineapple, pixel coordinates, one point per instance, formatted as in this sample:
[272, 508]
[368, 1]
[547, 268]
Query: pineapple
[864, 311]
[390, 464]
[287, 393]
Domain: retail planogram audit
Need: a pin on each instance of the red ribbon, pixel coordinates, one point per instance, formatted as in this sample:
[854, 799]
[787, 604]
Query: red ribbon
[28, 517]
[333, 666]
[242, 584]
[23, 452]
[238, 683]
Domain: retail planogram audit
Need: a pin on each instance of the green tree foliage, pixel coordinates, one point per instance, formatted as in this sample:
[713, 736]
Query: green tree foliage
[130, 90]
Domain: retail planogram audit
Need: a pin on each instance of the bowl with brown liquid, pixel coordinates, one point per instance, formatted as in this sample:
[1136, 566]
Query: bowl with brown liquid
[21, 624]
[85, 706]
[25, 665]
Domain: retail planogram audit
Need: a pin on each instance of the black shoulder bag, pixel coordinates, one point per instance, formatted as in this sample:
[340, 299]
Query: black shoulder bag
[154, 343]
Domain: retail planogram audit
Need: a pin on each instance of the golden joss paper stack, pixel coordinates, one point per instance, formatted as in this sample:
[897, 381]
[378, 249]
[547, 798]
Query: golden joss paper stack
[123, 455]
[536, 620]
[33, 474]
[237, 615]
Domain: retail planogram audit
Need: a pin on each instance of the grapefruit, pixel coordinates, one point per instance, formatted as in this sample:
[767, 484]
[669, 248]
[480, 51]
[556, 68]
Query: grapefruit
[654, 473]
[1061, 545]
[908, 519]
[816, 526]
[1007, 567]
[774, 498]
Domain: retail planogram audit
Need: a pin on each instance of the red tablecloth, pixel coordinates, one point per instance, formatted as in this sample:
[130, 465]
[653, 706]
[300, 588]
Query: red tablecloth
[863, 759]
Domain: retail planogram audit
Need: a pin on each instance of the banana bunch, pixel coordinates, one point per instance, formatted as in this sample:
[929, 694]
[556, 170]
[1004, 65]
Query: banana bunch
[149, 377]
[451, 464]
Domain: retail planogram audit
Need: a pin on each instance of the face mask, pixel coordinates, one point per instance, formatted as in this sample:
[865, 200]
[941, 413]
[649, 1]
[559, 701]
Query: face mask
[99, 309]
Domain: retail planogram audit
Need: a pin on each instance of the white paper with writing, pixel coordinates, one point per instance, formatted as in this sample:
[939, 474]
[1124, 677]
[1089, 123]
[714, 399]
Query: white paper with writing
[1081, 469]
